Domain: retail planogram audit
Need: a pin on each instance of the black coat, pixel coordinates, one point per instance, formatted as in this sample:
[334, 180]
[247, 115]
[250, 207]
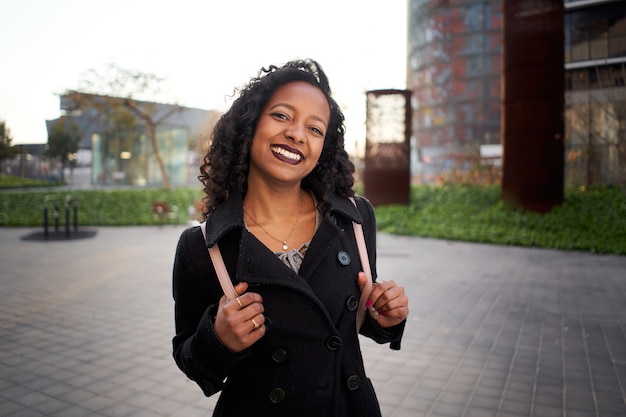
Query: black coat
[309, 362]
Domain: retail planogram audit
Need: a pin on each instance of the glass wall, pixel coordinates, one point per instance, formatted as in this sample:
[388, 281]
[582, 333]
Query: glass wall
[172, 142]
[127, 158]
[596, 151]
[595, 117]
[596, 32]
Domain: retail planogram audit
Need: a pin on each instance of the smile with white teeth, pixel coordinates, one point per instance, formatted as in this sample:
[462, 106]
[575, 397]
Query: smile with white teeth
[284, 152]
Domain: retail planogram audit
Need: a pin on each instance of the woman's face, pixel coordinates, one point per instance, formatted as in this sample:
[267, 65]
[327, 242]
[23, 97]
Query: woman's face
[289, 135]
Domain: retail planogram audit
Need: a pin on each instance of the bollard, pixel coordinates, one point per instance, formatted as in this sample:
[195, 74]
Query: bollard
[75, 217]
[67, 220]
[45, 220]
[56, 218]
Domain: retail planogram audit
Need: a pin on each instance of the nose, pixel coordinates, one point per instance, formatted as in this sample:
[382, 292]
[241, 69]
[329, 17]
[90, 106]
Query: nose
[296, 132]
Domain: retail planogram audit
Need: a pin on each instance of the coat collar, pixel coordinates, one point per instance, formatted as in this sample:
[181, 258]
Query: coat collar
[229, 215]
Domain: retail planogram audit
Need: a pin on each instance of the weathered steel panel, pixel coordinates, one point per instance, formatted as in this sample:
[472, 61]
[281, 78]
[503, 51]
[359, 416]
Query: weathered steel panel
[533, 103]
[387, 171]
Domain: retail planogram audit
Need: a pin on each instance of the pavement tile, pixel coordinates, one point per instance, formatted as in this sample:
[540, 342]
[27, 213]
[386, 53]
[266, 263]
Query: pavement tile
[493, 331]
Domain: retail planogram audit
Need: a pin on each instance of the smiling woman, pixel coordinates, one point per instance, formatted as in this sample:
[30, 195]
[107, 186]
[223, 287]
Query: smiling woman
[278, 184]
[290, 131]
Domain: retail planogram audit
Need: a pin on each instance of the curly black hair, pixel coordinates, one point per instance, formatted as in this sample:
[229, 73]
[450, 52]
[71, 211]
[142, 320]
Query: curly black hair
[226, 163]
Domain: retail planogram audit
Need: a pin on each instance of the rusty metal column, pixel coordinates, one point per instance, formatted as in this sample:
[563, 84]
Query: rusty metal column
[533, 103]
[387, 171]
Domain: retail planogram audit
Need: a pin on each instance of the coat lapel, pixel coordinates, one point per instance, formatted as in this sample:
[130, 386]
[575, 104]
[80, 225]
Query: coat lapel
[256, 264]
[325, 237]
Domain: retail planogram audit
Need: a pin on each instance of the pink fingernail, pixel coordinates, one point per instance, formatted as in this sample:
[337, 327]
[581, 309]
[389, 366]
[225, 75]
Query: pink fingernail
[369, 303]
[384, 313]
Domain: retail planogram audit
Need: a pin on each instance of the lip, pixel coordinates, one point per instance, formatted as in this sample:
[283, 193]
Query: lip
[287, 154]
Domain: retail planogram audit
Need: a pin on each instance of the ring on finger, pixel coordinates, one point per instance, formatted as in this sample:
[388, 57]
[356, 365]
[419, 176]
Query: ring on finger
[239, 302]
[256, 325]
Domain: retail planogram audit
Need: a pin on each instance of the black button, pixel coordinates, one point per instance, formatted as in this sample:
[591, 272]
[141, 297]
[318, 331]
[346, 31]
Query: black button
[353, 382]
[352, 303]
[334, 342]
[279, 355]
[343, 257]
[277, 395]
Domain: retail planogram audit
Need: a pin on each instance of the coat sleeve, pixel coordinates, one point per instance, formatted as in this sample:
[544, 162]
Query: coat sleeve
[196, 348]
[370, 328]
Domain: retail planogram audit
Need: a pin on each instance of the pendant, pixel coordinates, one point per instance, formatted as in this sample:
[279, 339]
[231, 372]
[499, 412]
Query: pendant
[285, 247]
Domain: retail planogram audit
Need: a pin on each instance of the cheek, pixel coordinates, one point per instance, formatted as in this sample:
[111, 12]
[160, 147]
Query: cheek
[322, 147]
[316, 153]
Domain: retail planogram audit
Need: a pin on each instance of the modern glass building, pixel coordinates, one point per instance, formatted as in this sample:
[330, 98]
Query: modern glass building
[454, 62]
[119, 149]
[129, 158]
[454, 70]
[595, 63]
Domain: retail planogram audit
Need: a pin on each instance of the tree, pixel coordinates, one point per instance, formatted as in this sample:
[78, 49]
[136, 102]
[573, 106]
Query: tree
[7, 151]
[63, 142]
[115, 96]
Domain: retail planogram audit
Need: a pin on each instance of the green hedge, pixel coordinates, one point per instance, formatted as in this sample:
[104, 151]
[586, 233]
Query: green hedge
[10, 181]
[95, 207]
[590, 219]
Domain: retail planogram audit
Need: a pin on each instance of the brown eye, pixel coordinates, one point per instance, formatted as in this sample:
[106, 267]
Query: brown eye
[317, 131]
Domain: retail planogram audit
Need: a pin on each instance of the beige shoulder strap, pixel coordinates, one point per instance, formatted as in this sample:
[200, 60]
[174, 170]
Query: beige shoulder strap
[365, 264]
[229, 290]
[220, 268]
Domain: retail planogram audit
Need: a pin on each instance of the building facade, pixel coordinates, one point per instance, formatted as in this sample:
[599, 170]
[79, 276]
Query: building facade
[116, 149]
[454, 63]
[454, 72]
[595, 63]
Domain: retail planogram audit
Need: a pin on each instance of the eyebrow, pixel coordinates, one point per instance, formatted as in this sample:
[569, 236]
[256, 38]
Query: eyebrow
[289, 106]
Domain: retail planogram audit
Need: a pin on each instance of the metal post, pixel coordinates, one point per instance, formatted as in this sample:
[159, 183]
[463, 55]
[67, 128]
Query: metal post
[45, 220]
[56, 218]
[75, 217]
[67, 219]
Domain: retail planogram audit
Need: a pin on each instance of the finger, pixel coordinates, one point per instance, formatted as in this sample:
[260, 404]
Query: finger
[240, 301]
[362, 281]
[396, 302]
[257, 322]
[248, 299]
[382, 292]
[365, 285]
[241, 288]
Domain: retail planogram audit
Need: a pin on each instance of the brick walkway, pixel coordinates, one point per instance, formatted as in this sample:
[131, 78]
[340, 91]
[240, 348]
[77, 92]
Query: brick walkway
[86, 327]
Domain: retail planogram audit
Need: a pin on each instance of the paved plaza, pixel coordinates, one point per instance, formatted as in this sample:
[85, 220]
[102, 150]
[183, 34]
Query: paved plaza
[86, 328]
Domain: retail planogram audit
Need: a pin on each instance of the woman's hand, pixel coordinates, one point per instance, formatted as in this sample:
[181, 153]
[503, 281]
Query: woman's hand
[239, 323]
[387, 303]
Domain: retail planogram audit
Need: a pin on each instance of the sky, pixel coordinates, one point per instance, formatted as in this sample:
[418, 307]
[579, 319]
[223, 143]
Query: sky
[203, 49]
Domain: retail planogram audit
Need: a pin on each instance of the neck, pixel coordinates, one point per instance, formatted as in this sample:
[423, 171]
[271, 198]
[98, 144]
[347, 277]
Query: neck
[282, 217]
[272, 203]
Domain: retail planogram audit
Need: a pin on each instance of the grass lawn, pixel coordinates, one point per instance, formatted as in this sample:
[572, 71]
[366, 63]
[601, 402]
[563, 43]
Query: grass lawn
[590, 219]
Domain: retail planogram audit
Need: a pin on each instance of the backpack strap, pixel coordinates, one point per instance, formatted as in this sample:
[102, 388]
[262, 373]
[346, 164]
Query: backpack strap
[365, 264]
[231, 294]
[220, 268]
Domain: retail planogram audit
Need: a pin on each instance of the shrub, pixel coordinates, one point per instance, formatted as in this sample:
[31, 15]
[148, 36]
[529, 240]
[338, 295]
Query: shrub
[95, 207]
[590, 219]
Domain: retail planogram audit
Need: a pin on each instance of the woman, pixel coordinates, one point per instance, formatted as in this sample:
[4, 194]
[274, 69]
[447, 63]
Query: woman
[277, 182]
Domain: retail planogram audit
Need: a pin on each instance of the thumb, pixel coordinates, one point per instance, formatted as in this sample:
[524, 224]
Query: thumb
[362, 281]
[241, 288]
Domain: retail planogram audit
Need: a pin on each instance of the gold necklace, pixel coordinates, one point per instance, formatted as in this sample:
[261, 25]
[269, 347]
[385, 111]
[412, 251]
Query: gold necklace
[284, 242]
